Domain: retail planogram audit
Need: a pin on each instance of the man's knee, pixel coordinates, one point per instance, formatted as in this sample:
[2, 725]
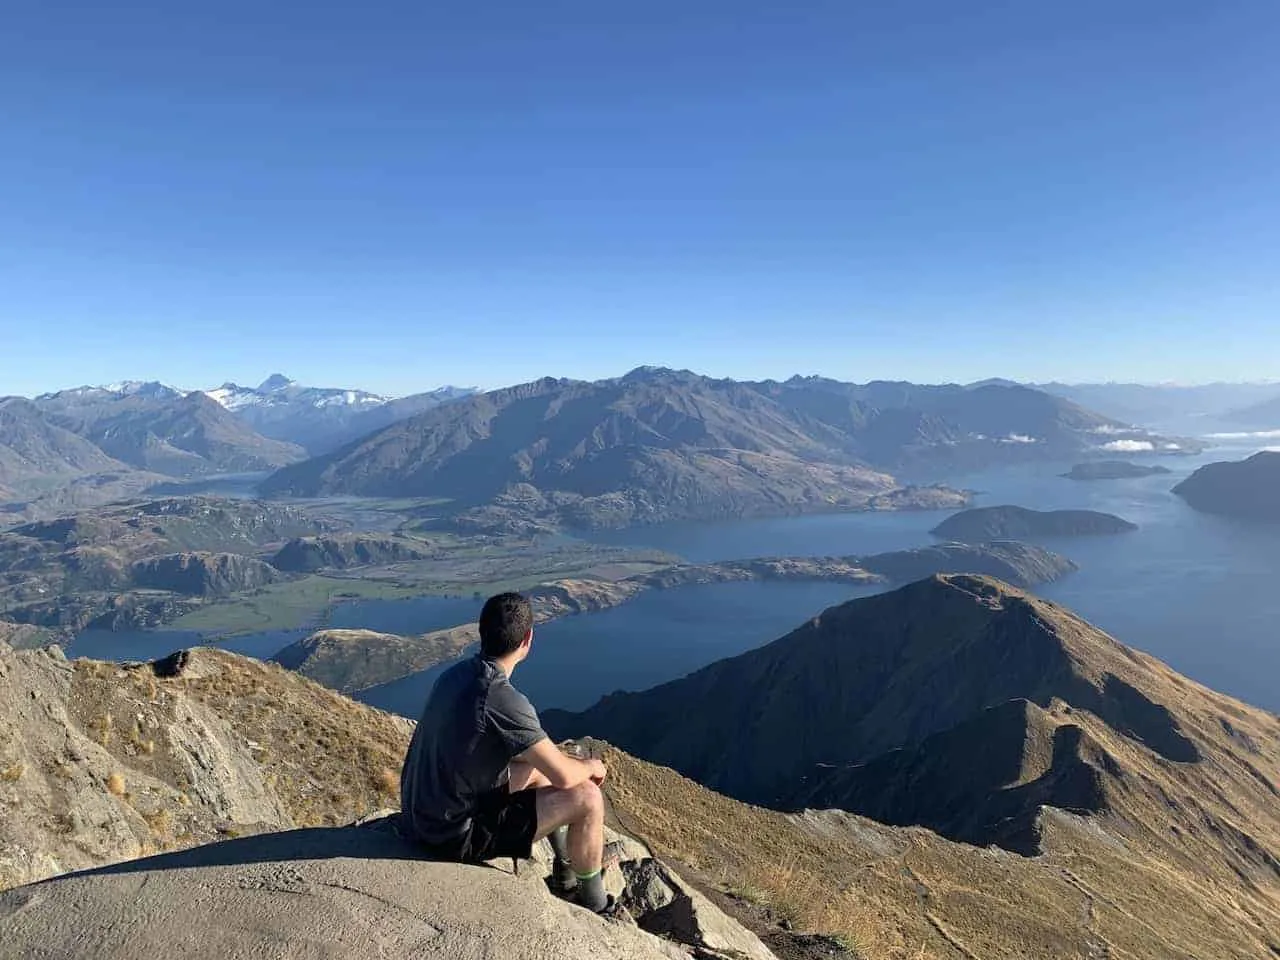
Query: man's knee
[588, 799]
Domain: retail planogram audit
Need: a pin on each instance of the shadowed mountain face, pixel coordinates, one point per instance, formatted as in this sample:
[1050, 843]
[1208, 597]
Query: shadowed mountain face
[166, 432]
[960, 704]
[662, 444]
[1249, 489]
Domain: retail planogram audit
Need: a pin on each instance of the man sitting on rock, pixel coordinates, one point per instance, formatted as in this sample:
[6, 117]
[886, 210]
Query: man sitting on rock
[481, 778]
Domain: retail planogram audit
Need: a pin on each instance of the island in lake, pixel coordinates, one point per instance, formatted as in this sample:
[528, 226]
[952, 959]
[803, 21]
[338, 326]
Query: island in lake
[1245, 488]
[1010, 522]
[1113, 470]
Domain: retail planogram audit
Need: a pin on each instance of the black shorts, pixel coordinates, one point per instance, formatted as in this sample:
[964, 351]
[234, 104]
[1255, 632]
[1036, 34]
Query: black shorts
[503, 825]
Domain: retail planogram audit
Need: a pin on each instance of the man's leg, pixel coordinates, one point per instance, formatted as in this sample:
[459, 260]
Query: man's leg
[525, 776]
[581, 808]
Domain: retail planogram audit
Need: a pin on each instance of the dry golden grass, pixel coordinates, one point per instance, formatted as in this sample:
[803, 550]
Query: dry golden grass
[13, 772]
[159, 820]
[115, 785]
[905, 893]
[387, 784]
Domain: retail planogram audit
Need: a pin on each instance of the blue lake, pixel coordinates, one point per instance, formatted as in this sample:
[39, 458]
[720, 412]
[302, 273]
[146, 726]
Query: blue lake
[413, 615]
[152, 644]
[1197, 591]
[659, 636]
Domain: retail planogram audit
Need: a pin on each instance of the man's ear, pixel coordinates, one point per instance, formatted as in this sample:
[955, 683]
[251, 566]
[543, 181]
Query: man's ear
[528, 639]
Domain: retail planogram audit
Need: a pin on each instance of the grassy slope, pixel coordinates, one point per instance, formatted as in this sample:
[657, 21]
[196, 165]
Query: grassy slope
[907, 893]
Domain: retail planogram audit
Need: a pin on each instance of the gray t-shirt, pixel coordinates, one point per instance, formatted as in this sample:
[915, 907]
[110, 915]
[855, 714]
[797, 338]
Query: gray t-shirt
[474, 723]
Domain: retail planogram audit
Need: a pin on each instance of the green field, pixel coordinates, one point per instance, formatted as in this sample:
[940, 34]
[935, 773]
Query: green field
[471, 568]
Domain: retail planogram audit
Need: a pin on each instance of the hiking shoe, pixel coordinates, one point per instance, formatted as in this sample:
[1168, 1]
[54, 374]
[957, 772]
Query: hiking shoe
[615, 912]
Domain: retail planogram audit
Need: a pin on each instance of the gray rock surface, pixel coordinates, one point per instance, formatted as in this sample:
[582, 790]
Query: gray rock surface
[59, 774]
[345, 892]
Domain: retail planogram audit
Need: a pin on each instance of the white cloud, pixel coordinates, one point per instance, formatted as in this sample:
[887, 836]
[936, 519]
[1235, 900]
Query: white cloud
[1254, 435]
[1130, 446]
[1018, 438]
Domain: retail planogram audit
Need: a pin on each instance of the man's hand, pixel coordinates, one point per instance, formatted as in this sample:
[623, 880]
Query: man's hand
[598, 771]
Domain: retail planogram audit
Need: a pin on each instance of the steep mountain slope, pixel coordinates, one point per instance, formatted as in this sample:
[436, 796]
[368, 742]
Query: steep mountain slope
[153, 429]
[36, 454]
[964, 705]
[321, 418]
[1249, 489]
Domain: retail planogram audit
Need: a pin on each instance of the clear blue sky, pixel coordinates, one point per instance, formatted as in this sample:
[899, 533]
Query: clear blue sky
[396, 195]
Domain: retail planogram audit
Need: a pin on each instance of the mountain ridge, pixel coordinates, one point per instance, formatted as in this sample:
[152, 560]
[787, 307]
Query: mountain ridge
[862, 705]
[658, 444]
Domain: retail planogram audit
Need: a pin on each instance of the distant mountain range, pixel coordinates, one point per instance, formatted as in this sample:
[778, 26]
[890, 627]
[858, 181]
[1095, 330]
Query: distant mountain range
[659, 444]
[1264, 414]
[322, 418]
[1176, 407]
[655, 444]
[90, 445]
[156, 428]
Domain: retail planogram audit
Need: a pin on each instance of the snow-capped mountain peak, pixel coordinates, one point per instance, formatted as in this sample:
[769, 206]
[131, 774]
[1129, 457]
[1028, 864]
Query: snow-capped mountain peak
[150, 389]
[278, 390]
[274, 383]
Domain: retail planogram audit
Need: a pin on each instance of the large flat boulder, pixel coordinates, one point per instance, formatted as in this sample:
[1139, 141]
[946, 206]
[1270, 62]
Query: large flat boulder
[318, 893]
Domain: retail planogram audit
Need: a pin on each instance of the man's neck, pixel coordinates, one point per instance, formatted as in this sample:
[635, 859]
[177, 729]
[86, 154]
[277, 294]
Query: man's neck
[507, 664]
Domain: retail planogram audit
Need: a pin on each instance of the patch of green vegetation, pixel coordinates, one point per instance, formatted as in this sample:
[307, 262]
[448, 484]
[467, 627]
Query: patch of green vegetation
[286, 606]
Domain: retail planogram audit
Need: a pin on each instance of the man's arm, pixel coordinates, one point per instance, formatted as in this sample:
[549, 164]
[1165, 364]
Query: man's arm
[561, 770]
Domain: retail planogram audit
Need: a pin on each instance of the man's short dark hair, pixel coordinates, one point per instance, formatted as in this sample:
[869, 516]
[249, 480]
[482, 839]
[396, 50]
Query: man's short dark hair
[504, 623]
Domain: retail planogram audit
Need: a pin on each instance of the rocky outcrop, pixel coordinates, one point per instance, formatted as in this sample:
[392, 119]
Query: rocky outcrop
[1113, 470]
[101, 762]
[359, 890]
[1015, 523]
[1249, 489]
[203, 574]
[308, 554]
